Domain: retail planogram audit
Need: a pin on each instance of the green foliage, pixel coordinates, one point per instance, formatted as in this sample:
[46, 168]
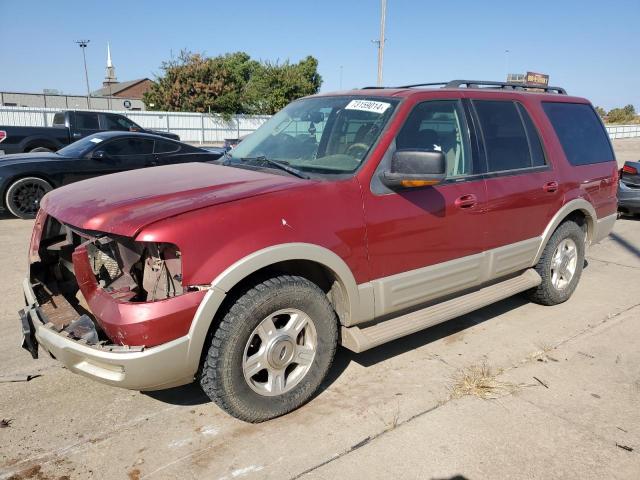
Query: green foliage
[231, 83]
[626, 114]
[601, 112]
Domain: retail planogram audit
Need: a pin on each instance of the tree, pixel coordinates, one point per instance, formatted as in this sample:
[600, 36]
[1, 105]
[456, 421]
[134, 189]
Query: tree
[274, 85]
[601, 112]
[194, 83]
[231, 83]
[622, 115]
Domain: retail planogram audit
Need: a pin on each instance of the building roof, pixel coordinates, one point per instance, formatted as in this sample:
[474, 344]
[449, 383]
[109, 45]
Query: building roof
[117, 87]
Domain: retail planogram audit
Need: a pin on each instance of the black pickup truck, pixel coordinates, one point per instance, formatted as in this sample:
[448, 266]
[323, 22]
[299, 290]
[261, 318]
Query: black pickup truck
[68, 126]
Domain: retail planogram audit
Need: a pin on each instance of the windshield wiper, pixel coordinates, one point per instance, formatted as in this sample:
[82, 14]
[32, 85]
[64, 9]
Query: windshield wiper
[277, 164]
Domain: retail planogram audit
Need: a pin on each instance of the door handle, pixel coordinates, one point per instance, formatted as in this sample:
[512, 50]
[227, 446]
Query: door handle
[550, 187]
[466, 201]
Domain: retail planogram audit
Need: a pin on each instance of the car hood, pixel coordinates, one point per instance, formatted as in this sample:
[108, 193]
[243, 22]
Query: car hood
[21, 158]
[123, 203]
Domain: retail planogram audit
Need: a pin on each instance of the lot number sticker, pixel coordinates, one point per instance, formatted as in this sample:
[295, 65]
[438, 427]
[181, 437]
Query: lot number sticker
[96, 140]
[368, 106]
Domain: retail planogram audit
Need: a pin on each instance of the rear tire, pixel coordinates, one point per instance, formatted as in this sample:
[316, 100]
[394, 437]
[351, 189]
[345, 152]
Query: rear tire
[272, 349]
[560, 265]
[23, 196]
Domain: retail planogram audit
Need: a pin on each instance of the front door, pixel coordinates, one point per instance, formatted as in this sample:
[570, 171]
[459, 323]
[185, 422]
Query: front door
[119, 154]
[425, 243]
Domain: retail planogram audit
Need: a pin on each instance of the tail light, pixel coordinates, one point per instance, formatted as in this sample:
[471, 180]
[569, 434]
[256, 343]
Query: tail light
[630, 170]
[3, 135]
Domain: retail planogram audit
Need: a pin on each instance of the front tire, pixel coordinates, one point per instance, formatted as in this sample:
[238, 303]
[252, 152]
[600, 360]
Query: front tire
[560, 265]
[272, 349]
[23, 196]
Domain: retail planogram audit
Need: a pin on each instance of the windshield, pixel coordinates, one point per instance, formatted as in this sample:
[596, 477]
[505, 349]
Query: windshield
[81, 147]
[327, 135]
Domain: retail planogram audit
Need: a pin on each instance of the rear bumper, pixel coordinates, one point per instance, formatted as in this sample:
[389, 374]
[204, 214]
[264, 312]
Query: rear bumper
[154, 368]
[628, 198]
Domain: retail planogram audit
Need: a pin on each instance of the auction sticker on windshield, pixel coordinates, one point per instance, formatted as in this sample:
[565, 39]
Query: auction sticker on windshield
[367, 106]
[96, 140]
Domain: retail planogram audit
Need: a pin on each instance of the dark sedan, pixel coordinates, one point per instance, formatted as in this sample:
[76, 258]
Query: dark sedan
[629, 189]
[25, 178]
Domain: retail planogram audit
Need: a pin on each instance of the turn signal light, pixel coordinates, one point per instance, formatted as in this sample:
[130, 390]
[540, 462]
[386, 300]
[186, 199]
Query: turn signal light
[418, 183]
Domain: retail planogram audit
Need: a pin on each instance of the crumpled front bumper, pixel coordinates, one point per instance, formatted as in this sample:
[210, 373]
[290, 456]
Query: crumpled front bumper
[154, 368]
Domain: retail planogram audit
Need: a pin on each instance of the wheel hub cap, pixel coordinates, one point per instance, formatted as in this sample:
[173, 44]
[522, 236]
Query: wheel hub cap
[564, 264]
[279, 352]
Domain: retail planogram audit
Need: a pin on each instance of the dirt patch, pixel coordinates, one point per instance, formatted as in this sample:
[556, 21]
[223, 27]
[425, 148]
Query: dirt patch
[134, 474]
[35, 472]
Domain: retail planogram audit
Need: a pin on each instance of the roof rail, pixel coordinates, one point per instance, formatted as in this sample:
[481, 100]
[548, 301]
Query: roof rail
[513, 86]
[481, 84]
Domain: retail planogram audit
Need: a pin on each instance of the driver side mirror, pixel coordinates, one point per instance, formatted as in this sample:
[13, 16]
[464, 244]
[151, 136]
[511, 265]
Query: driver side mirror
[415, 168]
[99, 155]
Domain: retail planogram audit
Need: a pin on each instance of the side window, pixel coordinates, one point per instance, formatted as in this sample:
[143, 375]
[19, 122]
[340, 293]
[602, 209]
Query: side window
[114, 122]
[87, 121]
[581, 134]
[535, 146]
[504, 135]
[129, 146]
[439, 125]
[58, 120]
[166, 147]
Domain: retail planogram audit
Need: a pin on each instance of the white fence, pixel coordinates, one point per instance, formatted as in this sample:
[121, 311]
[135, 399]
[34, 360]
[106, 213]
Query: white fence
[623, 131]
[197, 127]
[192, 127]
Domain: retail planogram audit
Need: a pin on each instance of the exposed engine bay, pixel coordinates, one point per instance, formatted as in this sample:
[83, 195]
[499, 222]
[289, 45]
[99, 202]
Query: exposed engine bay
[127, 270]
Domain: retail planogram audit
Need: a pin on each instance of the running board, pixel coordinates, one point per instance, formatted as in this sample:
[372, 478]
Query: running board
[360, 339]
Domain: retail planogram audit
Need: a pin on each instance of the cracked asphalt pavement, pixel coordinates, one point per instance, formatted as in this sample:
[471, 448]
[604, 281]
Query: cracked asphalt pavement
[573, 411]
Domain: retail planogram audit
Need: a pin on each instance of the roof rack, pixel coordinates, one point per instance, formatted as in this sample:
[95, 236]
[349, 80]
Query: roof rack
[483, 84]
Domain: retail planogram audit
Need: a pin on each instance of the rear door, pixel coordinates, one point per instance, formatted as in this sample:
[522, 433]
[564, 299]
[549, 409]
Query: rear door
[523, 187]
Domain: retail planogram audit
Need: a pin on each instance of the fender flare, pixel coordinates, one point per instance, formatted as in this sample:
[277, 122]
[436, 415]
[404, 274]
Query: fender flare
[578, 204]
[41, 141]
[250, 264]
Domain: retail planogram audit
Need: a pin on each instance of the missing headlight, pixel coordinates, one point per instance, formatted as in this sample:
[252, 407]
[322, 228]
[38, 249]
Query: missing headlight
[136, 271]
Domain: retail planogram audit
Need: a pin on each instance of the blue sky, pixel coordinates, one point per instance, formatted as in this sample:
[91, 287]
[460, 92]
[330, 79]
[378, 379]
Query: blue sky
[589, 47]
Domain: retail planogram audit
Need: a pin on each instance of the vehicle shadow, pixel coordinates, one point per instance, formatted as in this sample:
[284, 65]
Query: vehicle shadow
[192, 394]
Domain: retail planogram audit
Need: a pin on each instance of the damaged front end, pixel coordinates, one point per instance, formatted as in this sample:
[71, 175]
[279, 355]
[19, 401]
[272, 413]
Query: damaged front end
[107, 292]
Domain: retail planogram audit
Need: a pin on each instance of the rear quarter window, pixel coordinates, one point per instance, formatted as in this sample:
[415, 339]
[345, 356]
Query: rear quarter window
[582, 136]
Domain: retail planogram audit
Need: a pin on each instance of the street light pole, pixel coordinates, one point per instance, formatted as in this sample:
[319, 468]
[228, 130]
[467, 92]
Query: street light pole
[380, 42]
[83, 44]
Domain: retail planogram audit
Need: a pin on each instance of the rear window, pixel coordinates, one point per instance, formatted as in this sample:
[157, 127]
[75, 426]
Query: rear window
[581, 134]
[166, 147]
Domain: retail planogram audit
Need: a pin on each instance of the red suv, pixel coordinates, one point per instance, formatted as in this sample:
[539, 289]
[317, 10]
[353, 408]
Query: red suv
[352, 218]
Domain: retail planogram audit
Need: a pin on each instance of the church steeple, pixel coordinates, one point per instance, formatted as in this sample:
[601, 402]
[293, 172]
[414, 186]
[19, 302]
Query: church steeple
[110, 77]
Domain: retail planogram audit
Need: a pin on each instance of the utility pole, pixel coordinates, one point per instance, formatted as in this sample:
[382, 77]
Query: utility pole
[83, 44]
[380, 41]
[506, 64]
